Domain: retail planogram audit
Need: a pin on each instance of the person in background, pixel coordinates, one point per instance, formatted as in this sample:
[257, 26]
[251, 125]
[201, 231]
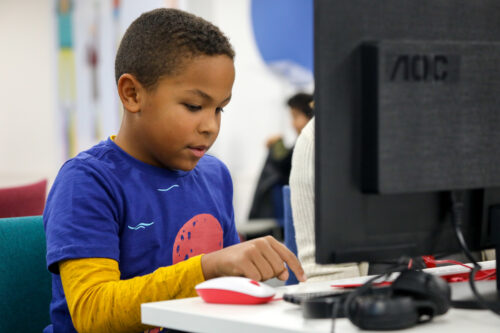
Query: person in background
[302, 202]
[146, 215]
[268, 200]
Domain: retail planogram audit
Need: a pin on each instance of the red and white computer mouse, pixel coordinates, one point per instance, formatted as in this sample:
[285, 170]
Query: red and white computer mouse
[234, 290]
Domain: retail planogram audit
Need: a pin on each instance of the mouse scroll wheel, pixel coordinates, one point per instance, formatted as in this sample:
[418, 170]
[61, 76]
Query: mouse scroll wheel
[255, 282]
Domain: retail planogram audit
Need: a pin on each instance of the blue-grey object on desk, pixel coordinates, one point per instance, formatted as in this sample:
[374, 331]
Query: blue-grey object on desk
[289, 230]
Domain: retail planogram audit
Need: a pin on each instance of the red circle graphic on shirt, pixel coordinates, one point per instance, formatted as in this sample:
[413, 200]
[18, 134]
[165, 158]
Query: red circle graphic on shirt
[201, 234]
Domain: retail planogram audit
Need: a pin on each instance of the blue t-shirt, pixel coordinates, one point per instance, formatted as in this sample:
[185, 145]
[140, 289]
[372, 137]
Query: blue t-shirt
[106, 204]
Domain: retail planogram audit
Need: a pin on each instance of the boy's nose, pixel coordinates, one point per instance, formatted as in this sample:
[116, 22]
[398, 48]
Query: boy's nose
[210, 123]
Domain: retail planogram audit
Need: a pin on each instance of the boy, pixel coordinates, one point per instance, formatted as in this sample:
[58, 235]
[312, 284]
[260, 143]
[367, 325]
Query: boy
[146, 215]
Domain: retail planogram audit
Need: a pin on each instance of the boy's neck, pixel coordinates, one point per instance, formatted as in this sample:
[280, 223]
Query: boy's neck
[122, 140]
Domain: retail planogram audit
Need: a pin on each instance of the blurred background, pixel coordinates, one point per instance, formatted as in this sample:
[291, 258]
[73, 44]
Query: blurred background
[58, 94]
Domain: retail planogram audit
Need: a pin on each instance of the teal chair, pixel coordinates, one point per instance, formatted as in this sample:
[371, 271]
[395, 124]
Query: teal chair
[25, 283]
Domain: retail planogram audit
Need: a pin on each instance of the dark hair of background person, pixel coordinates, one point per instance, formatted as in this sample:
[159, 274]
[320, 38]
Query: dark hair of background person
[302, 102]
[158, 42]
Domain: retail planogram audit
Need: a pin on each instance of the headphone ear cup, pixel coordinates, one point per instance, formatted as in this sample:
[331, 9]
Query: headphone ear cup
[375, 312]
[414, 297]
[423, 286]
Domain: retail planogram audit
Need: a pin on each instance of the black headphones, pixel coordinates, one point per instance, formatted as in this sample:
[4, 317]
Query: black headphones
[414, 297]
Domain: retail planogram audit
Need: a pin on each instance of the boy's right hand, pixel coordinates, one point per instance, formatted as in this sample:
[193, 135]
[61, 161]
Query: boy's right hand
[258, 259]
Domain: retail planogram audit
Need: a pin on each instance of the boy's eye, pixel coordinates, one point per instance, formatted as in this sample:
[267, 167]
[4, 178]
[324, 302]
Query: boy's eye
[219, 110]
[191, 107]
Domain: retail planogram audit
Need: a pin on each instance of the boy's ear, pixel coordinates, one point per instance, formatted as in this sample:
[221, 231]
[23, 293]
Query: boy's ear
[130, 92]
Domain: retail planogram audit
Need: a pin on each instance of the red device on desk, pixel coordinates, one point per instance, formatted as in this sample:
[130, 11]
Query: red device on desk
[484, 274]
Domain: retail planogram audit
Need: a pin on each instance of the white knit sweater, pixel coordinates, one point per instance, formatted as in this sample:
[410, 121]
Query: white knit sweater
[302, 200]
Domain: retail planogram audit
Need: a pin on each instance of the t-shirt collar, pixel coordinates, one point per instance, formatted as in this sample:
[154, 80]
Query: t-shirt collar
[141, 165]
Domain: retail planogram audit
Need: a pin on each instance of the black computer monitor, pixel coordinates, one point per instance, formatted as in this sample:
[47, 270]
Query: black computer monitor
[407, 104]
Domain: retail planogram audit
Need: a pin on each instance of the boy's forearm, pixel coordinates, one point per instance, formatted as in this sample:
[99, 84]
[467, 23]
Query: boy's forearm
[99, 301]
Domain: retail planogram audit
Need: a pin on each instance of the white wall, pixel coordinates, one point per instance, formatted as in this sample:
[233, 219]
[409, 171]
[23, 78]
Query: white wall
[30, 130]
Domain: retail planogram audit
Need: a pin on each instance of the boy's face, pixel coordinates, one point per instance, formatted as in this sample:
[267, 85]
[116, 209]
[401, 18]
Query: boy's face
[180, 119]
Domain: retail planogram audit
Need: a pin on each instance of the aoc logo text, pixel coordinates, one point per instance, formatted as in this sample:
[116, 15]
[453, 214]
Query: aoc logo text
[423, 68]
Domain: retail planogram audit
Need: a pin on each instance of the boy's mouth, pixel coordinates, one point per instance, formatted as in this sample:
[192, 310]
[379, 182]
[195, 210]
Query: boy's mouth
[198, 151]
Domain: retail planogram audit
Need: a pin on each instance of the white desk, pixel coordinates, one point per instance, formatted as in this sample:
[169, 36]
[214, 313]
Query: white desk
[194, 315]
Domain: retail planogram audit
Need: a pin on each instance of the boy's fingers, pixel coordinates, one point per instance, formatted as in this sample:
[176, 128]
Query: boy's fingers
[290, 259]
[273, 258]
[284, 275]
[263, 266]
[250, 271]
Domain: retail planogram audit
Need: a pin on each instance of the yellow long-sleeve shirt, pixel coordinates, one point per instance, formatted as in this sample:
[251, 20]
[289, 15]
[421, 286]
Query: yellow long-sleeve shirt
[99, 301]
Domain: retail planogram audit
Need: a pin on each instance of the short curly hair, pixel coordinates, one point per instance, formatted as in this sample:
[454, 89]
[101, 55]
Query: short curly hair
[158, 41]
[302, 102]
